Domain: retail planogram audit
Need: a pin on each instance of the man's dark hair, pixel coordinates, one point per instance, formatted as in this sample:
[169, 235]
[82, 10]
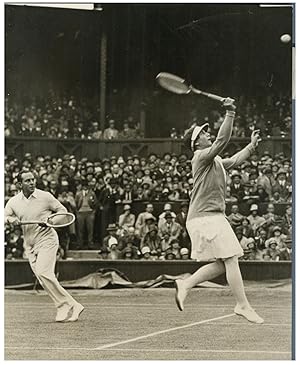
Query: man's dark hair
[19, 176]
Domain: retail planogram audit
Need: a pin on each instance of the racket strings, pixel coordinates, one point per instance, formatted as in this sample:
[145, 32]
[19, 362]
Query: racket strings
[173, 83]
[60, 219]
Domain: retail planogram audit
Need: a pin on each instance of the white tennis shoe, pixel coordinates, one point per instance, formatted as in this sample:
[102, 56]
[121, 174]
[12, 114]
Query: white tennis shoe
[77, 310]
[62, 313]
[249, 314]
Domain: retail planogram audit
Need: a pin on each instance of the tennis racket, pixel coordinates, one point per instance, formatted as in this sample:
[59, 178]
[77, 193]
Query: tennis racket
[178, 85]
[56, 220]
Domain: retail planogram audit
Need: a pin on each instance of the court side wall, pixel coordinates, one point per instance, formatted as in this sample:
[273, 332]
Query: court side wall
[19, 272]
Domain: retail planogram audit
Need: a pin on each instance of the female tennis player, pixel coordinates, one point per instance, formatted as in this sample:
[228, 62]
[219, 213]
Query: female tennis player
[41, 241]
[211, 235]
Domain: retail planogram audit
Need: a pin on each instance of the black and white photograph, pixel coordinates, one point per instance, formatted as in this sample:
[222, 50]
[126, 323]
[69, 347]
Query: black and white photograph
[149, 181]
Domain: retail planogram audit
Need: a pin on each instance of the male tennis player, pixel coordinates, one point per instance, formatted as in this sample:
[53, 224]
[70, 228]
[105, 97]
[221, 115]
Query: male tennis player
[41, 242]
[211, 235]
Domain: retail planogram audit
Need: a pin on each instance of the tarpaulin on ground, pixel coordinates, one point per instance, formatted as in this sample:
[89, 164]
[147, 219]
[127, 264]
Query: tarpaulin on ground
[113, 278]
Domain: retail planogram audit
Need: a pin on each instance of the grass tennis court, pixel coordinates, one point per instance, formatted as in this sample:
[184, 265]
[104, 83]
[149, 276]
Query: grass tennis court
[144, 324]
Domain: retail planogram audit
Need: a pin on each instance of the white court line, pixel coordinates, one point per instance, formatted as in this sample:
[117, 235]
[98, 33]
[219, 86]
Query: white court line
[147, 350]
[128, 305]
[161, 332]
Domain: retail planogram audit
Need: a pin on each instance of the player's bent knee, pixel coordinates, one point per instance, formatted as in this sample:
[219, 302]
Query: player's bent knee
[220, 263]
[233, 260]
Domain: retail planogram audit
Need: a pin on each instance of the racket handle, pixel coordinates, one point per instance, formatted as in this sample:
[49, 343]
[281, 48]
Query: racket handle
[213, 96]
[208, 95]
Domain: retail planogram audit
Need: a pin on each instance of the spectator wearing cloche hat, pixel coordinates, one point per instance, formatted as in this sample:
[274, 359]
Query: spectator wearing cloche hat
[255, 220]
[235, 217]
[126, 219]
[171, 227]
[167, 209]
[272, 250]
[184, 253]
[281, 185]
[146, 254]
[152, 240]
[278, 236]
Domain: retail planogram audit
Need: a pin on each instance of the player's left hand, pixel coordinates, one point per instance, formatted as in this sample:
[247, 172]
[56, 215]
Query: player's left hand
[255, 137]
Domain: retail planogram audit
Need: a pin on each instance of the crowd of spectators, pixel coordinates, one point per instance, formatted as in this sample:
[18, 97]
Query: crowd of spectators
[96, 191]
[70, 117]
[63, 118]
[271, 115]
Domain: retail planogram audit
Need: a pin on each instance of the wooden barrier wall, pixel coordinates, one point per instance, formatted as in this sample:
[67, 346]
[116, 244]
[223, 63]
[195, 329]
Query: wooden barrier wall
[19, 272]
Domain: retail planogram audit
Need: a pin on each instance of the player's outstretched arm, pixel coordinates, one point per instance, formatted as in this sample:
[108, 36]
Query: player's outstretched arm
[244, 154]
[224, 133]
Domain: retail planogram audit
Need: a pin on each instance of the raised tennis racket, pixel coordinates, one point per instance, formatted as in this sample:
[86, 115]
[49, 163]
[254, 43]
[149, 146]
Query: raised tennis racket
[178, 85]
[56, 220]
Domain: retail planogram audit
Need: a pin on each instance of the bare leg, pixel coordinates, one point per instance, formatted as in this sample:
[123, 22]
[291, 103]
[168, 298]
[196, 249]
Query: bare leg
[235, 281]
[206, 272]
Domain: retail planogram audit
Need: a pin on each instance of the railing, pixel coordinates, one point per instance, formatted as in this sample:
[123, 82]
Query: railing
[18, 146]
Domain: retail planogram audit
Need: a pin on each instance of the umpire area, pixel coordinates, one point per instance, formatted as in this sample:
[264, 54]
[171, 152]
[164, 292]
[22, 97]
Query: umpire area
[145, 324]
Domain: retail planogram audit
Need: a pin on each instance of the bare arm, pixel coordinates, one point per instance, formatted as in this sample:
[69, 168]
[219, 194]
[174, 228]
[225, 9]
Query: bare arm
[244, 154]
[224, 133]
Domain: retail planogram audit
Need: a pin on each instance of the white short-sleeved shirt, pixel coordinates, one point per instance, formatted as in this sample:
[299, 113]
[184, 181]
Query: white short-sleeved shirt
[38, 206]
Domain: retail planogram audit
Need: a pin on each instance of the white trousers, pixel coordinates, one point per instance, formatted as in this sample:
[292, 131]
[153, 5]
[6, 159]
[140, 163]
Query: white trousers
[42, 261]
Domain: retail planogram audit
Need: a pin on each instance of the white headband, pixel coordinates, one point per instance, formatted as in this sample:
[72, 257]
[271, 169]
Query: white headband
[197, 130]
